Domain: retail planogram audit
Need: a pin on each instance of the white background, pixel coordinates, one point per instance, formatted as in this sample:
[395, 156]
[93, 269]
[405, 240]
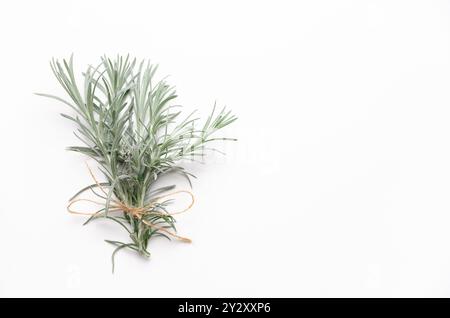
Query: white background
[339, 184]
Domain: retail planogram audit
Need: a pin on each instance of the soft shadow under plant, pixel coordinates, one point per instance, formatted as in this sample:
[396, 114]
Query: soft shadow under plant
[129, 125]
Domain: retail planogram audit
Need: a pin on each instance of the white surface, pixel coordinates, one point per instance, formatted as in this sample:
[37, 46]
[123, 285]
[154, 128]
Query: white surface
[339, 184]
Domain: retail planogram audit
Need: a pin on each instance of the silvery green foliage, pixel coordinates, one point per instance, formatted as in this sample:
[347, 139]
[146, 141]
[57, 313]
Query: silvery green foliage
[128, 123]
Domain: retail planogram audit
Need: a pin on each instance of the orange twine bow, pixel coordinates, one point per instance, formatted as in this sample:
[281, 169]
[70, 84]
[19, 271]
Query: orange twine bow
[137, 212]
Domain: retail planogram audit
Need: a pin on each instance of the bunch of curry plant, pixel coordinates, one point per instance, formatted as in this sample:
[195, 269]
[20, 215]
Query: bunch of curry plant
[128, 124]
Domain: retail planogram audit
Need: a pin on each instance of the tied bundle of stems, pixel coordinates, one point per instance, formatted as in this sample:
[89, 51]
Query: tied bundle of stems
[129, 125]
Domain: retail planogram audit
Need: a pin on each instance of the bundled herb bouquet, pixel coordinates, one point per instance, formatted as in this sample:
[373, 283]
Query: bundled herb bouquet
[128, 124]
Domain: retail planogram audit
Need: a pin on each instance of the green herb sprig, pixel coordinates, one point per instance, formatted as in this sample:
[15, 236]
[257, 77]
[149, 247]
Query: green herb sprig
[129, 125]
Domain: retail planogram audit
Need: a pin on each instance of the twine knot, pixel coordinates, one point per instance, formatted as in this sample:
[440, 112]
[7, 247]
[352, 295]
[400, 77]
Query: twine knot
[136, 212]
